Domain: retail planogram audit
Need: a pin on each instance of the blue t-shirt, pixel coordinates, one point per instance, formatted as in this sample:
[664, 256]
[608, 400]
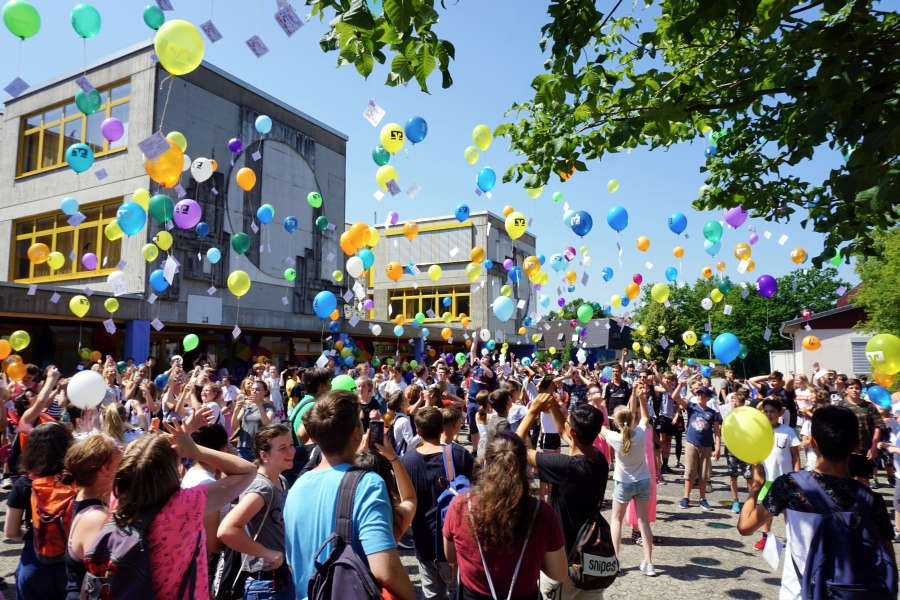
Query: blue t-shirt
[309, 515]
[478, 382]
[700, 425]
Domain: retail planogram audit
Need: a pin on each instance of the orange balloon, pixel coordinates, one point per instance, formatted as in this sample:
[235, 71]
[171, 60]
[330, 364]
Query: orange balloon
[720, 266]
[643, 243]
[394, 271]
[707, 272]
[883, 379]
[811, 342]
[522, 331]
[531, 265]
[571, 276]
[5, 349]
[166, 168]
[446, 333]
[16, 370]
[96, 355]
[246, 179]
[632, 290]
[477, 254]
[465, 321]
[338, 345]
[335, 315]
[215, 165]
[508, 210]
[400, 319]
[468, 343]
[678, 252]
[750, 265]
[742, 250]
[410, 230]
[359, 234]
[347, 244]
[38, 253]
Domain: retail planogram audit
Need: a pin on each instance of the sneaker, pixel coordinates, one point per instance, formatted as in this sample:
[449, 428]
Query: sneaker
[761, 543]
[736, 507]
[684, 503]
[704, 504]
[648, 570]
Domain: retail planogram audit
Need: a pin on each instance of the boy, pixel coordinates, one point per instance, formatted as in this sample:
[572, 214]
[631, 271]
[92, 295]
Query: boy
[785, 455]
[703, 432]
[736, 467]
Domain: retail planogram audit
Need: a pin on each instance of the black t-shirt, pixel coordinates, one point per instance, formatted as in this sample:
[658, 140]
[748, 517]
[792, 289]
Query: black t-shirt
[365, 409]
[20, 497]
[616, 395]
[426, 471]
[579, 485]
[787, 400]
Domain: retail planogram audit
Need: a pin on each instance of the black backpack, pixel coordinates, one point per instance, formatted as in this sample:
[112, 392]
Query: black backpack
[592, 560]
[343, 575]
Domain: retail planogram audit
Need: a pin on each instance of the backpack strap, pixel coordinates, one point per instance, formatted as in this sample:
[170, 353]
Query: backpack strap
[448, 463]
[343, 517]
[814, 493]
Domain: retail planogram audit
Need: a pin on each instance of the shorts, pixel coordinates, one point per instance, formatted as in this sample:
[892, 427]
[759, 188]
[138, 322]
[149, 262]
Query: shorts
[626, 490]
[550, 441]
[697, 462]
[664, 426]
[736, 467]
[471, 411]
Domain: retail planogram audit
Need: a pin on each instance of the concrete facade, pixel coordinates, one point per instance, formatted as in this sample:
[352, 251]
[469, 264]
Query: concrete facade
[843, 347]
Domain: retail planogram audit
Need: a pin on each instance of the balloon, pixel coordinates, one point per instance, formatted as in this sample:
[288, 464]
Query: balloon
[471, 154]
[689, 337]
[416, 129]
[811, 342]
[753, 238]
[706, 303]
[177, 138]
[337, 275]
[161, 381]
[643, 243]
[712, 248]
[179, 47]
[484, 334]
[385, 174]
[678, 252]
[265, 213]
[715, 295]
[750, 266]
[88, 103]
[473, 271]
[632, 290]
[613, 186]
[69, 206]
[86, 389]
[712, 231]
[79, 157]
[38, 253]
[19, 340]
[671, 274]
[89, 261]
[706, 339]
[726, 347]
[766, 286]
[79, 305]
[290, 224]
[21, 18]
[112, 129]
[392, 137]
[515, 274]
[240, 242]
[355, 266]
[434, 272]
[163, 239]
[398, 330]
[111, 305]
[190, 342]
[677, 223]
[85, 20]
[112, 231]
[201, 169]
[158, 281]
[376, 329]
[585, 313]
[720, 266]
[482, 137]
[725, 286]
[166, 168]
[290, 274]
[516, 225]
[798, 256]
[213, 255]
[263, 124]
[486, 179]
[344, 382]
[706, 272]
[879, 396]
[617, 218]
[615, 300]
[581, 223]
[246, 179]
[748, 434]
[883, 352]
[56, 260]
[154, 17]
[742, 251]
[419, 318]
[410, 230]
[659, 292]
[394, 271]
[744, 352]
[735, 216]
[531, 265]
[187, 214]
[836, 259]
[238, 283]
[322, 223]
[381, 156]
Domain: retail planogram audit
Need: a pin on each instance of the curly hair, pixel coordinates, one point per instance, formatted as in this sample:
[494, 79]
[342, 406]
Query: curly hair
[146, 478]
[502, 502]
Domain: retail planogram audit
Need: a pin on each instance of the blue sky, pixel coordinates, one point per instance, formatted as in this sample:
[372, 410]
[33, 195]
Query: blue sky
[496, 58]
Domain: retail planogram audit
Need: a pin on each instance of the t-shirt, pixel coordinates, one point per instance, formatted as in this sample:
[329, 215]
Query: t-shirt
[803, 398]
[367, 408]
[629, 467]
[309, 515]
[403, 432]
[172, 539]
[579, 485]
[869, 420]
[700, 425]
[616, 395]
[893, 428]
[251, 421]
[779, 461]
[390, 386]
[548, 425]
[517, 412]
[666, 406]
[271, 535]
[811, 456]
[479, 381]
[20, 497]
[546, 536]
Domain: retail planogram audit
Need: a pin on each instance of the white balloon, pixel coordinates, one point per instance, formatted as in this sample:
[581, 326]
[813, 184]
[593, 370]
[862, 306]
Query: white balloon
[376, 329]
[115, 277]
[201, 169]
[485, 335]
[355, 266]
[187, 163]
[86, 389]
[706, 303]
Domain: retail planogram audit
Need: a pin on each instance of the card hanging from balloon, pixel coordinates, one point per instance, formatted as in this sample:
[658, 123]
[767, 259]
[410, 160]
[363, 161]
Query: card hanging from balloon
[478, 192]
[663, 342]
[649, 265]
[211, 290]
[118, 288]
[154, 146]
[72, 256]
[331, 227]
[392, 187]
[744, 294]
[257, 47]
[742, 266]
[726, 310]
[256, 156]
[16, 87]
[290, 261]
[584, 278]
[348, 296]
[373, 113]
[520, 304]
[151, 298]
[767, 234]
[783, 239]
[76, 219]
[88, 292]
[454, 251]
[156, 324]
[358, 290]
[430, 314]
[179, 190]
[164, 5]
[354, 321]
[390, 310]
[104, 261]
[487, 231]
[708, 327]
[284, 300]
[170, 225]
[54, 298]
[413, 190]
[84, 84]
[841, 290]
[619, 248]
[378, 195]
[32, 289]
[110, 326]
[169, 269]
[807, 327]
[288, 19]
[236, 332]
[767, 334]
[330, 258]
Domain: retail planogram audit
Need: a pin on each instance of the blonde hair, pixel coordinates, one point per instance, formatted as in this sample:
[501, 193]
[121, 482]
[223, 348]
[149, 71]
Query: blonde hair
[623, 420]
[113, 425]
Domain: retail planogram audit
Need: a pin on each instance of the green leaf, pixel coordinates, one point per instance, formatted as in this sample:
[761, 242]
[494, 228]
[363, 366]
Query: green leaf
[364, 65]
[400, 13]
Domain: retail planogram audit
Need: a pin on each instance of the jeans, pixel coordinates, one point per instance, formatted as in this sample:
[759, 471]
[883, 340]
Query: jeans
[438, 580]
[37, 580]
[265, 590]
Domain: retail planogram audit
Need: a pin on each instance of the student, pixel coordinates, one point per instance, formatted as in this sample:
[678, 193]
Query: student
[703, 432]
[870, 423]
[822, 398]
[736, 467]
[834, 435]
[451, 418]
[401, 425]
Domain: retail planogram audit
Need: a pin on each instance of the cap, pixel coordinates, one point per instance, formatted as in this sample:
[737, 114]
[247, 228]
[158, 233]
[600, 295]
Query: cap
[705, 391]
[177, 358]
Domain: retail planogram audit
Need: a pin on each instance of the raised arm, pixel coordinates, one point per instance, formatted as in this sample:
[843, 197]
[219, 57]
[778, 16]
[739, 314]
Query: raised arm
[44, 397]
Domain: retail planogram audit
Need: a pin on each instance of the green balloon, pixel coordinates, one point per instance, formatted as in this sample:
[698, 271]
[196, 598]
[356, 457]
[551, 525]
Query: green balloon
[322, 223]
[121, 366]
[290, 274]
[585, 313]
[556, 363]
[420, 318]
[190, 342]
[460, 358]
[84, 353]
[344, 382]
[712, 231]
[314, 199]
[240, 242]
[154, 17]
[85, 20]
[21, 18]
[381, 156]
[725, 286]
[88, 103]
[557, 196]
[413, 364]
[161, 208]
[376, 361]
[836, 259]
[743, 352]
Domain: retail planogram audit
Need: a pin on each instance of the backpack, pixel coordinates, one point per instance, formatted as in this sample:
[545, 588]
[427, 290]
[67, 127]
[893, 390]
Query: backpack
[294, 418]
[453, 485]
[846, 559]
[51, 514]
[118, 564]
[343, 575]
[592, 560]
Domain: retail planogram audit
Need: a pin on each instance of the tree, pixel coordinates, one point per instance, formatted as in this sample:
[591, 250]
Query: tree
[878, 294]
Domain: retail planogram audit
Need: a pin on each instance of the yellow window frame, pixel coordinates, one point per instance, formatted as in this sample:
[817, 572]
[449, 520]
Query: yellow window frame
[60, 162]
[107, 213]
[418, 296]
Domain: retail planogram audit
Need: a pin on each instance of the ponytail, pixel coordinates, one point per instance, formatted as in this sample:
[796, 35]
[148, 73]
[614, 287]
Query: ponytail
[481, 398]
[623, 419]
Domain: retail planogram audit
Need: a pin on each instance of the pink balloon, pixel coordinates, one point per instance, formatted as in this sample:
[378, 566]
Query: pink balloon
[89, 261]
[735, 216]
[638, 278]
[112, 129]
[569, 254]
[187, 213]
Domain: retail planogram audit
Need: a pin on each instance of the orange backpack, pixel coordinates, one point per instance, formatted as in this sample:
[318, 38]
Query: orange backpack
[51, 515]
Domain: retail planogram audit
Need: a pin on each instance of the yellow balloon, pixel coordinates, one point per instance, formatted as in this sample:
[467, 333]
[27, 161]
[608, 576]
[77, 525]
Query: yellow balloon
[111, 305]
[447, 316]
[374, 236]
[79, 305]
[471, 154]
[56, 260]
[636, 346]
[748, 434]
[384, 174]
[166, 168]
[516, 225]
[720, 266]
[612, 185]
[179, 47]
[392, 137]
[552, 349]
[615, 300]
[689, 337]
[632, 290]
[750, 265]
[473, 271]
[482, 136]
[742, 250]
[659, 292]
[647, 349]
[542, 278]
[643, 243]
[571, 277]
[435, 272]
[811, 342]
[19, 340]
[112, 231]
[798, 255]
[178, 138]
[142, 197]
[150, 252]
[238, 283]
[715, 295]
[534, 192]
[707, 272]
[505, 290]
[678, 252]
[531, 265]
[163, 239]
[477, 254]
[337, 275]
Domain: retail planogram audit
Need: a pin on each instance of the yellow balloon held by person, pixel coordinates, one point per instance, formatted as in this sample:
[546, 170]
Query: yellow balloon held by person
[748, 434]
[238, 283]
[482, 137]
[392, 137]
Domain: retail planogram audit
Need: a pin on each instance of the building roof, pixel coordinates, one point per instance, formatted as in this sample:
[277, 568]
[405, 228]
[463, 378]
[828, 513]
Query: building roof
[825, 314]
[148, 45]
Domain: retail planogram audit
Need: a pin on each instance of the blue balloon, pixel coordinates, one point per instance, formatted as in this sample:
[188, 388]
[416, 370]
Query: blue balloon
[367, 257]
[571, 289]
[545, 301]
[447, 302]
[348, 360]
[161, 381]
[202, 229]
[398, 330]
[617, 218]
[503, 308]
[158, 281]
[213, 255]
[710, 151]
[416, 129]
[607, 372]
[69, 205]
[706, 339]
[486, 179]
[607, 309]
[726, 347]
[263, 124]
[625, 301]
[581, 223]
[879, 396]
[491, 344]
[424, 332]
[542, 259]
[80, 157]
[528, 322]
[557, 262]
[526, 361]
[264, 214]
[690, 362]
[290, 224]
[488, 263]
[677, 223]
[705, 371]
[607, 273]
[515, 274]
[131, 218]
[711, 248]
[334, 326]
[462, 212]
[671, 273]
[324, 304]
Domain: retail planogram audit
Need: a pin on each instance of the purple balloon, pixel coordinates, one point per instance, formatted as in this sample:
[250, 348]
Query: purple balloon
[235, 145]
[753, 238]
[187, 213]
[735, 216]
[561, 301]
[369, 304]
[393, 217]
[112, 129]
[89, 261]
[508, 264]
[766, 285]
[537, 287]
[449, 357]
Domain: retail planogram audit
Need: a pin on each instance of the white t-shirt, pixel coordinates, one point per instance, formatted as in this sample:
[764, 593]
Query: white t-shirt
[894, 428]
[229, 393]
[630, 467]
[811, 456]
[804, 401]
[390, 386]
[779, 461]
[275, 393]
[547, 424]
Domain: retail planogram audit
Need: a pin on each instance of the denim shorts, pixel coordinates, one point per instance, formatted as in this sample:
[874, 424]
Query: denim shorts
[626, 490]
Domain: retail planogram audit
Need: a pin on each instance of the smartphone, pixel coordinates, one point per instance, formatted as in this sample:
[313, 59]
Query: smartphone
[376, 433]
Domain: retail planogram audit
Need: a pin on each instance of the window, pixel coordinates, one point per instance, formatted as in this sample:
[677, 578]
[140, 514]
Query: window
[408, 302]
[45, 135]
[73, 242]
[861, 365]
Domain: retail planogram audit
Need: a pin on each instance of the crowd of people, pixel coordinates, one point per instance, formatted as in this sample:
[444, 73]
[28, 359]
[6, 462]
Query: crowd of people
[493, 473]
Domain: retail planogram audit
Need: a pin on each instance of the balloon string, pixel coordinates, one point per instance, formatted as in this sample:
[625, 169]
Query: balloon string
[19, 69]
[84, 56]
[162, 119]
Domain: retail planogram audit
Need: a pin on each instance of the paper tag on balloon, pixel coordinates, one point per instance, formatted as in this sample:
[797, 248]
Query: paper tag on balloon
[290, 261]
[663, 342]
[254, 227]
[767, 235]
[211, 290]
[807, 327]
[322, 360]
[413, 190]
[584, 278]
[354, 321]
[331, 227]
[84, 84]
[477, 191]
[348, 296]
[373, 113]
[392, 187]
[214, 192]
[156, 324]
[841, 290]
[76, 219]
[378, 195]
[258, 47]
[212, 33]
[256, 155]
[358, 290]
[169, 269]
[110, 326]
[54, 298]
[288, 19]
[726, 309]
[88, 292]
[15, 87]
[236, 332]
[179, 190]
[707, 327]
[454, 251]
[170, 225]
[782, 240]
[164, 5]
[767, 334]
[520, 304]
[119, 288]
[742, 266]
[151, 298]
[154, 146]
[32, 289]
[330, 257]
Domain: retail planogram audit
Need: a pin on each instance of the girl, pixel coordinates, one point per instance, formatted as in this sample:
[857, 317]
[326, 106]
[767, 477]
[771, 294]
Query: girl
[115, 426]
[250, 415]
[481, 420]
